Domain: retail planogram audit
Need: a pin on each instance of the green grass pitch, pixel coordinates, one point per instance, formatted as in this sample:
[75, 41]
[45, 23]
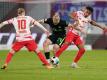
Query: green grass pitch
[26, 66]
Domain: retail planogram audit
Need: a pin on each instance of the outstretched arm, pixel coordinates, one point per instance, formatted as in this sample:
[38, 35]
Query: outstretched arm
[3, 23]
[40, 26]
[97, 25]
[42, 20]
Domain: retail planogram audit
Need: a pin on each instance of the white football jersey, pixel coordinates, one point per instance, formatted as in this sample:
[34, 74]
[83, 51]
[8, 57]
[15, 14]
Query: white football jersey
[83, 21]
[22, 27]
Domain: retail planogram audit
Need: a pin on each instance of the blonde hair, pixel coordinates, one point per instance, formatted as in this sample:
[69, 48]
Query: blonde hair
[20, 11]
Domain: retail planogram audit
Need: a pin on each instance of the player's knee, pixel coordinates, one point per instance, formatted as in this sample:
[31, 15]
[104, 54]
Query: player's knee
[66, 43]
[12, 51]
[55, 48]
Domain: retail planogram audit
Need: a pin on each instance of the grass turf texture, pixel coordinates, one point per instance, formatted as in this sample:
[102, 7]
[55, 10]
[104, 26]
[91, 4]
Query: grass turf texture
[26, 66]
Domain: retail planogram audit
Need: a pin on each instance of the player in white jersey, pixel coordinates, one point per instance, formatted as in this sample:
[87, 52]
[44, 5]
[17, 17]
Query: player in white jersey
[81, 18]
[23, 36]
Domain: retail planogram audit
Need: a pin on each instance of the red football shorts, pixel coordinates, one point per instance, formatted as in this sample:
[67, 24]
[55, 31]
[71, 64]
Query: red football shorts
[30, 45]
[71, 37]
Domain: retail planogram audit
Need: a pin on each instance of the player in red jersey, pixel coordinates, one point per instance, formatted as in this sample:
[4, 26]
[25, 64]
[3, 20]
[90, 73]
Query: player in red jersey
[81, 18]
[23, 36]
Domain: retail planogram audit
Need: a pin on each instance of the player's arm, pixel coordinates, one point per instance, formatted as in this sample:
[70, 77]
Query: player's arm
[3, 24]
[40, 26]
[97, 25]
[6, 22]
[75, 26]
[34, 22]
[42, 20]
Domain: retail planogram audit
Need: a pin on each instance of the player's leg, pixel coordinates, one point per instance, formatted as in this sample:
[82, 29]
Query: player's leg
[46, 44]
[32, 46]
[68, 40]
[58, 44]
[43, 59]
[63, 48]
[79, 43]
[15, 48]
[8, 59]
[55, 48]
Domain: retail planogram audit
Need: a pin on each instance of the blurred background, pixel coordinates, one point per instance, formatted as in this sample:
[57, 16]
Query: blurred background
[41, 9]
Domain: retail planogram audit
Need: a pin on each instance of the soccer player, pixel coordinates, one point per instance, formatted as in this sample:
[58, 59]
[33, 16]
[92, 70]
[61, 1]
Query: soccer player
[58, 27]
[81, 18]
[23, 37]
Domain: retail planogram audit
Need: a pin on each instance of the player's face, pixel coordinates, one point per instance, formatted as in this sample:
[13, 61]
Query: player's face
[87, 13]
[56, 19]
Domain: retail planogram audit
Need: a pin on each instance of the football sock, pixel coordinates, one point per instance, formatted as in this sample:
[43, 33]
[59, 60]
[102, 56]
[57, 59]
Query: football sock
[42, 58]
[47, 55]
[8, 58]
[63, 48]
[79, 55]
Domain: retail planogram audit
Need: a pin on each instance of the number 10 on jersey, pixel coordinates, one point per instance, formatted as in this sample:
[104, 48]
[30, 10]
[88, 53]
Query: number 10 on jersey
[21, 24]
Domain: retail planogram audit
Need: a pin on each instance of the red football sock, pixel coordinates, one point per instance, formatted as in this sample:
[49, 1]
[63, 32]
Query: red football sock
[79, 55]
[63, 48]
[8, 58]
[42, 58]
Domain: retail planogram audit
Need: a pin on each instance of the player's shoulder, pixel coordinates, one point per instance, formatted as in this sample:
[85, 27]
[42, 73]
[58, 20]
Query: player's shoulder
[12, 19]
[80, 12]
[49, 19]
[62, 21]
[28, 16]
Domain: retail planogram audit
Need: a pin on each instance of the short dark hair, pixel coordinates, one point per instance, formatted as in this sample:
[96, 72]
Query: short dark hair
[89, 8]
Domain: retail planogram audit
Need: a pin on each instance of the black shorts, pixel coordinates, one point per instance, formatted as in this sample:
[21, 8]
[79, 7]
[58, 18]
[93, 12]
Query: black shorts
[57, 39]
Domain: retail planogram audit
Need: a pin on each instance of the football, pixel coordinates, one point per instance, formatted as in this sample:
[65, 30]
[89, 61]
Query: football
[55, 60]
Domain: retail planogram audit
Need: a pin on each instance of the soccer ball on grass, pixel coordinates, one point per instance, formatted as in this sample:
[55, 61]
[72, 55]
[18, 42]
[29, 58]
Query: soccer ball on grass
[55, 60]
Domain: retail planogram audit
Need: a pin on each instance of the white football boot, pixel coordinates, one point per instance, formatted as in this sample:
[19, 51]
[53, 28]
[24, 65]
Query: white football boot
[74, 65]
